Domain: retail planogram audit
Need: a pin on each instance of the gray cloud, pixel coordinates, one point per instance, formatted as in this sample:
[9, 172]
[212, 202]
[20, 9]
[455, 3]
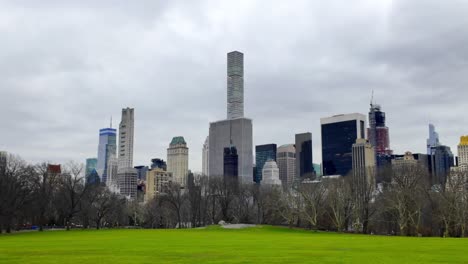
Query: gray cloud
[66, 67]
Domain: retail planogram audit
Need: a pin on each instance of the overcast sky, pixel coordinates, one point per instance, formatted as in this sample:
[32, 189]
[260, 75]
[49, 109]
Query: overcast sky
[66, 68]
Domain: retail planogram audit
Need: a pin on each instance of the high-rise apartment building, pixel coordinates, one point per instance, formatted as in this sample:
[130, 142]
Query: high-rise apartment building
[235, 85]
[177, 160]
[433, 140]
[236, 130]
[270, 174]
[106, 150]
[126, 174]
[141, 172]
[304, 165]
[157, 182]
[286, 160]
[339, 133]
[263, 153]
[205, 157]
[364, 163]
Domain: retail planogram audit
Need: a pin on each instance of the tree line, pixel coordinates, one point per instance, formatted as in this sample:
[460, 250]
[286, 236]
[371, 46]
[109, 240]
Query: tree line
[404, 203]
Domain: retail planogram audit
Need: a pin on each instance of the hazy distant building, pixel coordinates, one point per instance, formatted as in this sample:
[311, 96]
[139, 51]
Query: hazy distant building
[231, 164]
[106, 149]
[286, 160]
[270, 174]
[263, 153]
[363, 162]
[126, 174]
[304, 166]
[177, 160]
[90, 168]
[157, 182]
[158, 163]
[433, 140]
[235, 85]
[205, 157]
[339, 133]
[236, 130]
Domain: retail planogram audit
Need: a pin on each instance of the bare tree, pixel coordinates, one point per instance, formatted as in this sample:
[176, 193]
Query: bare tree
[289, 207]
[313, 196]
[175, 197]
[339, 202]
[46, 186]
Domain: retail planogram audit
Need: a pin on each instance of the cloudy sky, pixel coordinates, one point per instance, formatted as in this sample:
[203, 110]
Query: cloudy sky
[65, 68]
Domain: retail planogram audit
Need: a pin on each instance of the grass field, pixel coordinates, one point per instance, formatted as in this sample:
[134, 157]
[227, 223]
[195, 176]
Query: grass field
[215, 245]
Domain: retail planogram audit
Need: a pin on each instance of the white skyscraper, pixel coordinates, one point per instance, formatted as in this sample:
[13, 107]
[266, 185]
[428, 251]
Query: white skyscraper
[177, 160]
[235, 85]
[270, 173]
[126, 174]
[205, 157]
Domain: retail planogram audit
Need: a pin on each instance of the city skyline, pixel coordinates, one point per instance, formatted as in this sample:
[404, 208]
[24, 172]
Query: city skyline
[69, 91]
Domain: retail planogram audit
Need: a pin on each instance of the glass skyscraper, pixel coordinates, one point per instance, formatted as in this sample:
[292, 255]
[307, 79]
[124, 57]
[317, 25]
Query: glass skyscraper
[304, 166]
[106, 150]
[263, 153]
[339, 133]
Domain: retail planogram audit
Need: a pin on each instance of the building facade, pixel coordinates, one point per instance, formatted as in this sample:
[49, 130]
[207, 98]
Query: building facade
[231, 164]
[286, 160]
[463, 151]
[126, 174]
[141, 172]
[263, 153]
[364, 162]
[304, 158]
[226, 133]
[106, 150]
[157, 182]
[235, 85]
[441, 161]
[205, 157]
[177, 160]
[158, 163]
[378, 132]
[339, 133]
[270, 174]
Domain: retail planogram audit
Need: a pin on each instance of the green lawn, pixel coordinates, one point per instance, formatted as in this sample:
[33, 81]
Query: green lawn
[215, 245]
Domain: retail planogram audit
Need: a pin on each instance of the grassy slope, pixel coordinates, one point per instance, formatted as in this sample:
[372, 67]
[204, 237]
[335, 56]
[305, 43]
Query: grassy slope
[215, 245]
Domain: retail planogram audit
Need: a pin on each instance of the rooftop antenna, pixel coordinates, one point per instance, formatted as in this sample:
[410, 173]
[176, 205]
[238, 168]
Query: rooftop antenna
[372, 98]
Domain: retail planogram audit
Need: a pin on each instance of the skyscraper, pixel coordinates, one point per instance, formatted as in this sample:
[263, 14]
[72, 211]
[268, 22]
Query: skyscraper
[235, 84]
[205, 157]
[141, 172]
[263, 153]
[157, 182]
[339, 133]
[177, 160]
[270, 173]
[231, 164]
[463, 151]
[441, 161]
[126, 174]
[106, 149]
[126, 127]
[378, 131]
[433, 140]
[236, 130]
[286, 160]
[304, 166]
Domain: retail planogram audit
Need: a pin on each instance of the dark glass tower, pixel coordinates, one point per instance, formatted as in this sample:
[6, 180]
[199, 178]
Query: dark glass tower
[441, 161]
[262, 154]
[339, 133]
[304, 165]
[231, 164]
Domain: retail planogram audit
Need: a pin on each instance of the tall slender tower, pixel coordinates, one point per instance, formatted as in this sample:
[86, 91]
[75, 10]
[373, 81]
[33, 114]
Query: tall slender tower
[126, 139]
[126, 174]
[177, 160]
[106, 150]
[433, 140]
[205, 157]
[235, 84]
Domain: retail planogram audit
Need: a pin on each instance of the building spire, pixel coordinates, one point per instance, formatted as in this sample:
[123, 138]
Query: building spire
[111, 122]
[372, 98]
